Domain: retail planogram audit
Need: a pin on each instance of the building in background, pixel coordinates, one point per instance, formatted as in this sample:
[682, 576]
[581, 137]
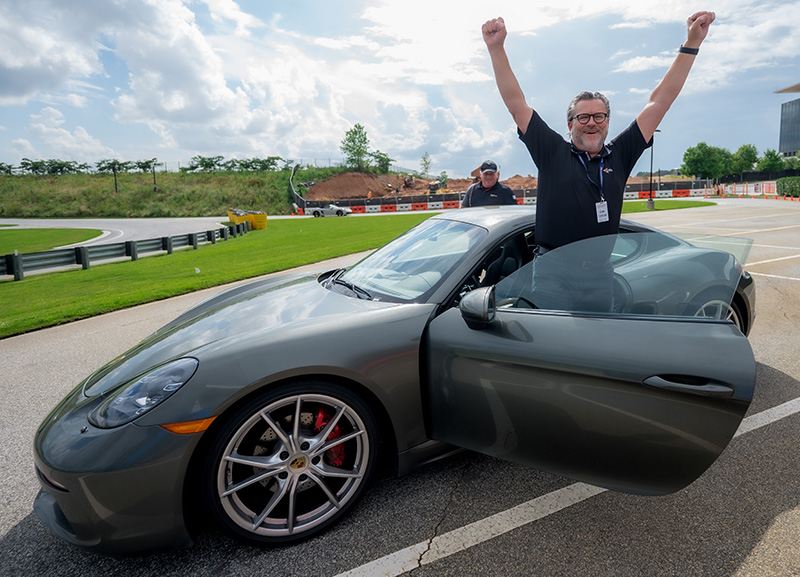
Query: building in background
[790, 124]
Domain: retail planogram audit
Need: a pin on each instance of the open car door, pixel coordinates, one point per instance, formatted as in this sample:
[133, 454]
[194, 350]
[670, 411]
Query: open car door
[594, 362]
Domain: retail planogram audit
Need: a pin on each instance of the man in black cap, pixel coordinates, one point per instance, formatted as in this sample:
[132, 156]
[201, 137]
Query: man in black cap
[489, 191]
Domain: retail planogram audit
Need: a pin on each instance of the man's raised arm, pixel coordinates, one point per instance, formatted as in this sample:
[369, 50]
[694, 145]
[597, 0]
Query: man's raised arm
[671, 85]
[494, 34]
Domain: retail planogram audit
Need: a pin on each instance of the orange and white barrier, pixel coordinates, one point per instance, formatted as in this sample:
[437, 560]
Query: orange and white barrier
[767, 189]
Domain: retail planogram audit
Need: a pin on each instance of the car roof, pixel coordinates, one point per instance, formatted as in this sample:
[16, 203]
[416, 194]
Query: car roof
[494, 218]
[502, 219]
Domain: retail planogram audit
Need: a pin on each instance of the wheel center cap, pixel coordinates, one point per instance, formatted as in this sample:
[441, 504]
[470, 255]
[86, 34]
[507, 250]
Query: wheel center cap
[298, 463]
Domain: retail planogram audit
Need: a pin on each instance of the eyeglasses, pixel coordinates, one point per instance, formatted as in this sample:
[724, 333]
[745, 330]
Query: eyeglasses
[599, 118]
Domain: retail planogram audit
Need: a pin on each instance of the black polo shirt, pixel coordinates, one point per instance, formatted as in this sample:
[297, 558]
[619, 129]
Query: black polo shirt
[477, 195]
[569, 182]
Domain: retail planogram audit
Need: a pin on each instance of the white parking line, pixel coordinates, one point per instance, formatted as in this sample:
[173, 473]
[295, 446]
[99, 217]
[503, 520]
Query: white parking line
[463, 538]
[773, 276]
[773, 260]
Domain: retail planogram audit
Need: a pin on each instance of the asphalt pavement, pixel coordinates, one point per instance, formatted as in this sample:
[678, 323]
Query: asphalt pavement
[469, 514]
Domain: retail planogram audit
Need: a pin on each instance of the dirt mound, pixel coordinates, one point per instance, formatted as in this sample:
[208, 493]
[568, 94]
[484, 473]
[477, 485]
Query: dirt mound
[359, 185]
[518, 182]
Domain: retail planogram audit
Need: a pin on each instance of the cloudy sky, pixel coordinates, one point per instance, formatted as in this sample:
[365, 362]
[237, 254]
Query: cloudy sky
[87, 80]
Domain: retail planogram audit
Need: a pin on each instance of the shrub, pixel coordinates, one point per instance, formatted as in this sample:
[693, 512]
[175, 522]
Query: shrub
[789, 186]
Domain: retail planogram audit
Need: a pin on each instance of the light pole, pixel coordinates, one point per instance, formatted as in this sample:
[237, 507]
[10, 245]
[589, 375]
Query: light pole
[650, 204]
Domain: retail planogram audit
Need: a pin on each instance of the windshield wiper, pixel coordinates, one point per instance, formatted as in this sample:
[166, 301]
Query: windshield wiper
[354, 288]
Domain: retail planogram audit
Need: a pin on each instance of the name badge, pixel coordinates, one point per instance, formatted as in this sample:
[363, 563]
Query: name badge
[602, 211]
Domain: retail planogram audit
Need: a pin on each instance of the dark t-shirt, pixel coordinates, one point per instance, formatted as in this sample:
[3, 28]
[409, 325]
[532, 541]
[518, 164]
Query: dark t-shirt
[479, 196]
[569, 182]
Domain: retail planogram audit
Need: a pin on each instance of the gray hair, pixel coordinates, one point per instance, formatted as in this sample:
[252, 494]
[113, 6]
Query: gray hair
[585, 95]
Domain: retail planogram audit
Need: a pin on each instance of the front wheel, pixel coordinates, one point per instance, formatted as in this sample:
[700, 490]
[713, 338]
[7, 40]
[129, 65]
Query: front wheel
[290, 463]
[339, 213]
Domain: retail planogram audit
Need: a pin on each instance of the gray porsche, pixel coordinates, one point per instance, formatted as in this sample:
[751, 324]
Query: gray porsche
[274, 403]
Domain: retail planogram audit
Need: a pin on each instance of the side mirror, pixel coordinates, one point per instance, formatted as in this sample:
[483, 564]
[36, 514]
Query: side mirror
[478, 308]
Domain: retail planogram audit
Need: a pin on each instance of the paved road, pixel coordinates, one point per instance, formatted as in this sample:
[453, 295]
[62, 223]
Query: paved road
[123, 229]
[473, 515]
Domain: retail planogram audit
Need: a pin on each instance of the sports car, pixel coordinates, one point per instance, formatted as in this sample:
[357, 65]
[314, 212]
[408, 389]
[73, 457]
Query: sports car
[274, 403]
[330, 210]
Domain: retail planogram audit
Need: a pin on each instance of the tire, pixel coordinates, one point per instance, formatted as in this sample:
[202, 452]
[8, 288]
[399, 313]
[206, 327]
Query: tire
[339, 213]
[267, 482]
[317, 214]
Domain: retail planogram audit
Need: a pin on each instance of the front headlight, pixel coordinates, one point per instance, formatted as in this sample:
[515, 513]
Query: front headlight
[132, 400]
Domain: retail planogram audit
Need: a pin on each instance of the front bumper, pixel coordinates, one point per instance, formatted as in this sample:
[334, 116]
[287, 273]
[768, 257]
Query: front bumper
[113, 491]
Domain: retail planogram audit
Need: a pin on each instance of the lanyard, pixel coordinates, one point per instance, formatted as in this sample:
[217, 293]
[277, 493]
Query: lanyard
[586, 168]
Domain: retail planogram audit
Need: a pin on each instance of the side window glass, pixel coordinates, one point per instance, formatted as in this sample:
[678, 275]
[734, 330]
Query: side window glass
[626, 274]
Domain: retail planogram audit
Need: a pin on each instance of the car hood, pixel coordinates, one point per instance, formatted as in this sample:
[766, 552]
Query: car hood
[246, 312]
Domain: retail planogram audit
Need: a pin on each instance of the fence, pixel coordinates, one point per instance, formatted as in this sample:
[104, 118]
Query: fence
[18, 264]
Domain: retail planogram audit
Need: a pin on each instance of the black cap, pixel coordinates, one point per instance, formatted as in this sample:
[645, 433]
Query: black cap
[488, 166]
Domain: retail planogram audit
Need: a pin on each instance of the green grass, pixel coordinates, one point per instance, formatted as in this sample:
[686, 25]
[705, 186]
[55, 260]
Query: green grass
[26, 240]
[49, 299]
[177, 194]
[631, 206]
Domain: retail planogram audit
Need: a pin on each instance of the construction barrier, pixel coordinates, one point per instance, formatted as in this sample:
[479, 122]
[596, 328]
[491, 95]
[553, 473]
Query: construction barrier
[258, 221]
[766, 190]
[751, 188]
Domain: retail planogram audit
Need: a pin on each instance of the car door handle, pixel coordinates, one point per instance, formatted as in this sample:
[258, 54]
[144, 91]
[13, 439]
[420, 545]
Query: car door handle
[707, 389]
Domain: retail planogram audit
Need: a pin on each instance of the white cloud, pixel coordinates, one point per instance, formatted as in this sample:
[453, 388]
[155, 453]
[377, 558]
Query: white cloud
[641, 63]
[46, 128]
[38, 53]
[76, 100]
[22, 148]
[228, 10]
[49, 117]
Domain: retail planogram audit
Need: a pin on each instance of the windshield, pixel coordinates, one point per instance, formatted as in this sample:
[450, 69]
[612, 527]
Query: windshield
[626, 274]
[413, 265]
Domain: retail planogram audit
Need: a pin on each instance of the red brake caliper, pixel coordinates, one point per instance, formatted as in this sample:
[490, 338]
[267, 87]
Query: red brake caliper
[335, 455]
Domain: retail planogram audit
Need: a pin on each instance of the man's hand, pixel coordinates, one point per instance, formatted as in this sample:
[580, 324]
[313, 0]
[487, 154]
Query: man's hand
[494, 33]
[698, 25]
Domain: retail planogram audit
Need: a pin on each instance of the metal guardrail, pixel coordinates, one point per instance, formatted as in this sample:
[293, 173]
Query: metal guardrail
[18, 264]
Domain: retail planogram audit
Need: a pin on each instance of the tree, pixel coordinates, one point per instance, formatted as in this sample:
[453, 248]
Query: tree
[744, 159]
[113, 165]
[6, 168]
[33, 166]
[57, 166]
[425, 164]
[772, 161]
[382, 160]
[355, 147]
[706, 161]
[793, 162]
[146, 165]
[205, 163]
[260, 164]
